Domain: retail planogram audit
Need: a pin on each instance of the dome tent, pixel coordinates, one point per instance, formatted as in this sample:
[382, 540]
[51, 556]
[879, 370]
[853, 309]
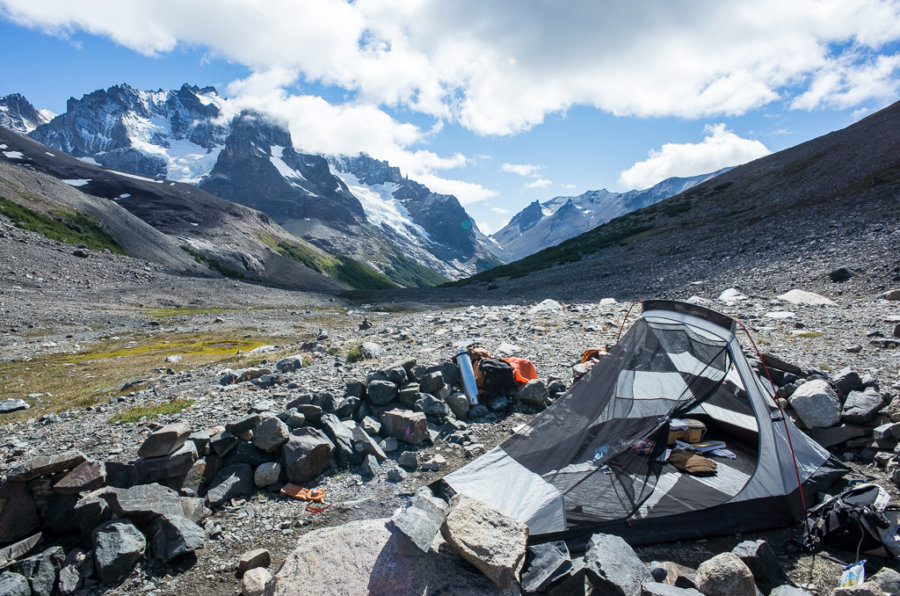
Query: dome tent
[594, 461]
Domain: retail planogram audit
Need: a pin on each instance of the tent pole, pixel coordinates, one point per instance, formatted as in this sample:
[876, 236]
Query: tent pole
[783, 417]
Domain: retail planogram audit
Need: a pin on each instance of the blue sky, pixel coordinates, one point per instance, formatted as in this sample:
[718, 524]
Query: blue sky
[499, 103]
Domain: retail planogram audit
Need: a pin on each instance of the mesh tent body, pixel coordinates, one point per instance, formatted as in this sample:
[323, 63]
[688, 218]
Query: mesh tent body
[594, 460]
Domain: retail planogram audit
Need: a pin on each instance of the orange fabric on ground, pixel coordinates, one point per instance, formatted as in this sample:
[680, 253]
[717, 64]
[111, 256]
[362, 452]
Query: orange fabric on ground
[304, 494]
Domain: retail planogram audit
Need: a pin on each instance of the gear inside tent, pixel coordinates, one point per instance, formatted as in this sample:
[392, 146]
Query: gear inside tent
[597, 459]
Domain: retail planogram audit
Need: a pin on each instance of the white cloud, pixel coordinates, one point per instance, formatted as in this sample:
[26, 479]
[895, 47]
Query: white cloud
[466, 192]
[539, 183]
[720, 148]
[525, 169]
[501, 67]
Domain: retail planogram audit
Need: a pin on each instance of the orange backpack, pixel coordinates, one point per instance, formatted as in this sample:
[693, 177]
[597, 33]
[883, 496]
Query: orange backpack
[523, 369]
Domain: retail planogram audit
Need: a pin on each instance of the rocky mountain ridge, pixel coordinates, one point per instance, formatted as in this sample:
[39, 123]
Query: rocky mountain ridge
[19, 115]
[544, 224]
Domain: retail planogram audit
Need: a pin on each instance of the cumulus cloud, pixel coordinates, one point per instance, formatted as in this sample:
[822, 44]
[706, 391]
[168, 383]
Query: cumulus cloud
[525, 169]
[539, 183]
[720, 148]
[500, 68]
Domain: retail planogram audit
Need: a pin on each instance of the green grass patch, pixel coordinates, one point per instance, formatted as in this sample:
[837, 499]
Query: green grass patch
[98, 373]
[809, 334]
[136, 414]
[343, 269]
[70, 227]
[407, 272]
[354, 354]
[164, 312]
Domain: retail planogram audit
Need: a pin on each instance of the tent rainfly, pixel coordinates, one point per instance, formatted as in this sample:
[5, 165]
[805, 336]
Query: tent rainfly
[594, 460]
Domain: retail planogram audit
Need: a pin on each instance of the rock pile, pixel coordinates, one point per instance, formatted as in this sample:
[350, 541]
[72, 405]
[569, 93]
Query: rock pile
[118, 513]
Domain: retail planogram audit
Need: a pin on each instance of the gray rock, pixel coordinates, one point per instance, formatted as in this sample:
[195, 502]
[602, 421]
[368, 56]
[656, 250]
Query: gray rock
[488, 539]
[545, 564]
[270, 435]
[77, 567]
[725, 575]
[230, 482]
[172, 536]
[241, 426]
[404, 425]
[13, 584]
[846, 380]
[817, 404]
[534, 393]
[660, 589]
[435, 463]
[431, 382]
[458, 404]
[18, 513]
[389, 444]
[156, 469]
[409, 459]
[311, 412]
[364, 443]
[369, 467]
[887, 579]
[432, 406]
[57, 514]
[613, 567]
[829, 437]
[41, 570]
[17, 550]
[478, 411]
[396, 475]
[246, 453]
[370, 350]
[788, 591]
[44, 465]
[143, 502]
[342, 439]
[861, 407]
[763, 563]
[194, 508]
[372, 426]
[117, 547]
[223, 442]
[200, 475]
[368, 557]
[165, 440]
[422, 520]
[290, 363]
[306, 454]
[254, 582]
[13, 405]
[249, 374]
[396, 375]
[90, 511]
[253, 559]
[408, 394]
[266, 474]
[381, 392]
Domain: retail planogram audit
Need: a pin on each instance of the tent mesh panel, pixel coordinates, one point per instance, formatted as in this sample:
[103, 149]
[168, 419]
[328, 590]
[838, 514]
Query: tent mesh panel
[599, 444]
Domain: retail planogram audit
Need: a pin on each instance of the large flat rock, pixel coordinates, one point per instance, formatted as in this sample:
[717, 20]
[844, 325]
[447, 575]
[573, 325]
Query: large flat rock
[365, 557]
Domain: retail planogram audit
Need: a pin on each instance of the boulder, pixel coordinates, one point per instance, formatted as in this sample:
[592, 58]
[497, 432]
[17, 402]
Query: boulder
[364, 443]
[534, 393]
[370, 350]
[846, 380]
[804, 298]
[370, 557]
[117, 547]
[492, 541]
[888, 580]
[174, 535]
[230, 482]
[306, 454]
[342, 439]
[239, 427]
[13, 405]
[143, 502]
[861, 407]
[613, 567]
[45, 465]
[817, 404]
[763, 563]
[869, 588]
[290, 363]
[432, 406]
[252, 559]
[246, 453]
[725, 575]
[369, 467]
[166, 467]
[829, 437]
[13, 584]
[421, 521]
[404, 425]
[78, 566]
[223, 442]
[270, 435]
[18, 513]
[90, 511]
[381, 392]
[194, 508]
[18, 549]
[787, 590]
[165, 440]
[431, 382]
[41, 570]
[545, 564]
[266, 474]
[458, 404]
[87, 475]
[254, 582]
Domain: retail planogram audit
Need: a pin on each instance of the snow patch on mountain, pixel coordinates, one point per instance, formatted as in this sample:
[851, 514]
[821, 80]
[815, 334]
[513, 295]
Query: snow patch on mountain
[382, 209]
